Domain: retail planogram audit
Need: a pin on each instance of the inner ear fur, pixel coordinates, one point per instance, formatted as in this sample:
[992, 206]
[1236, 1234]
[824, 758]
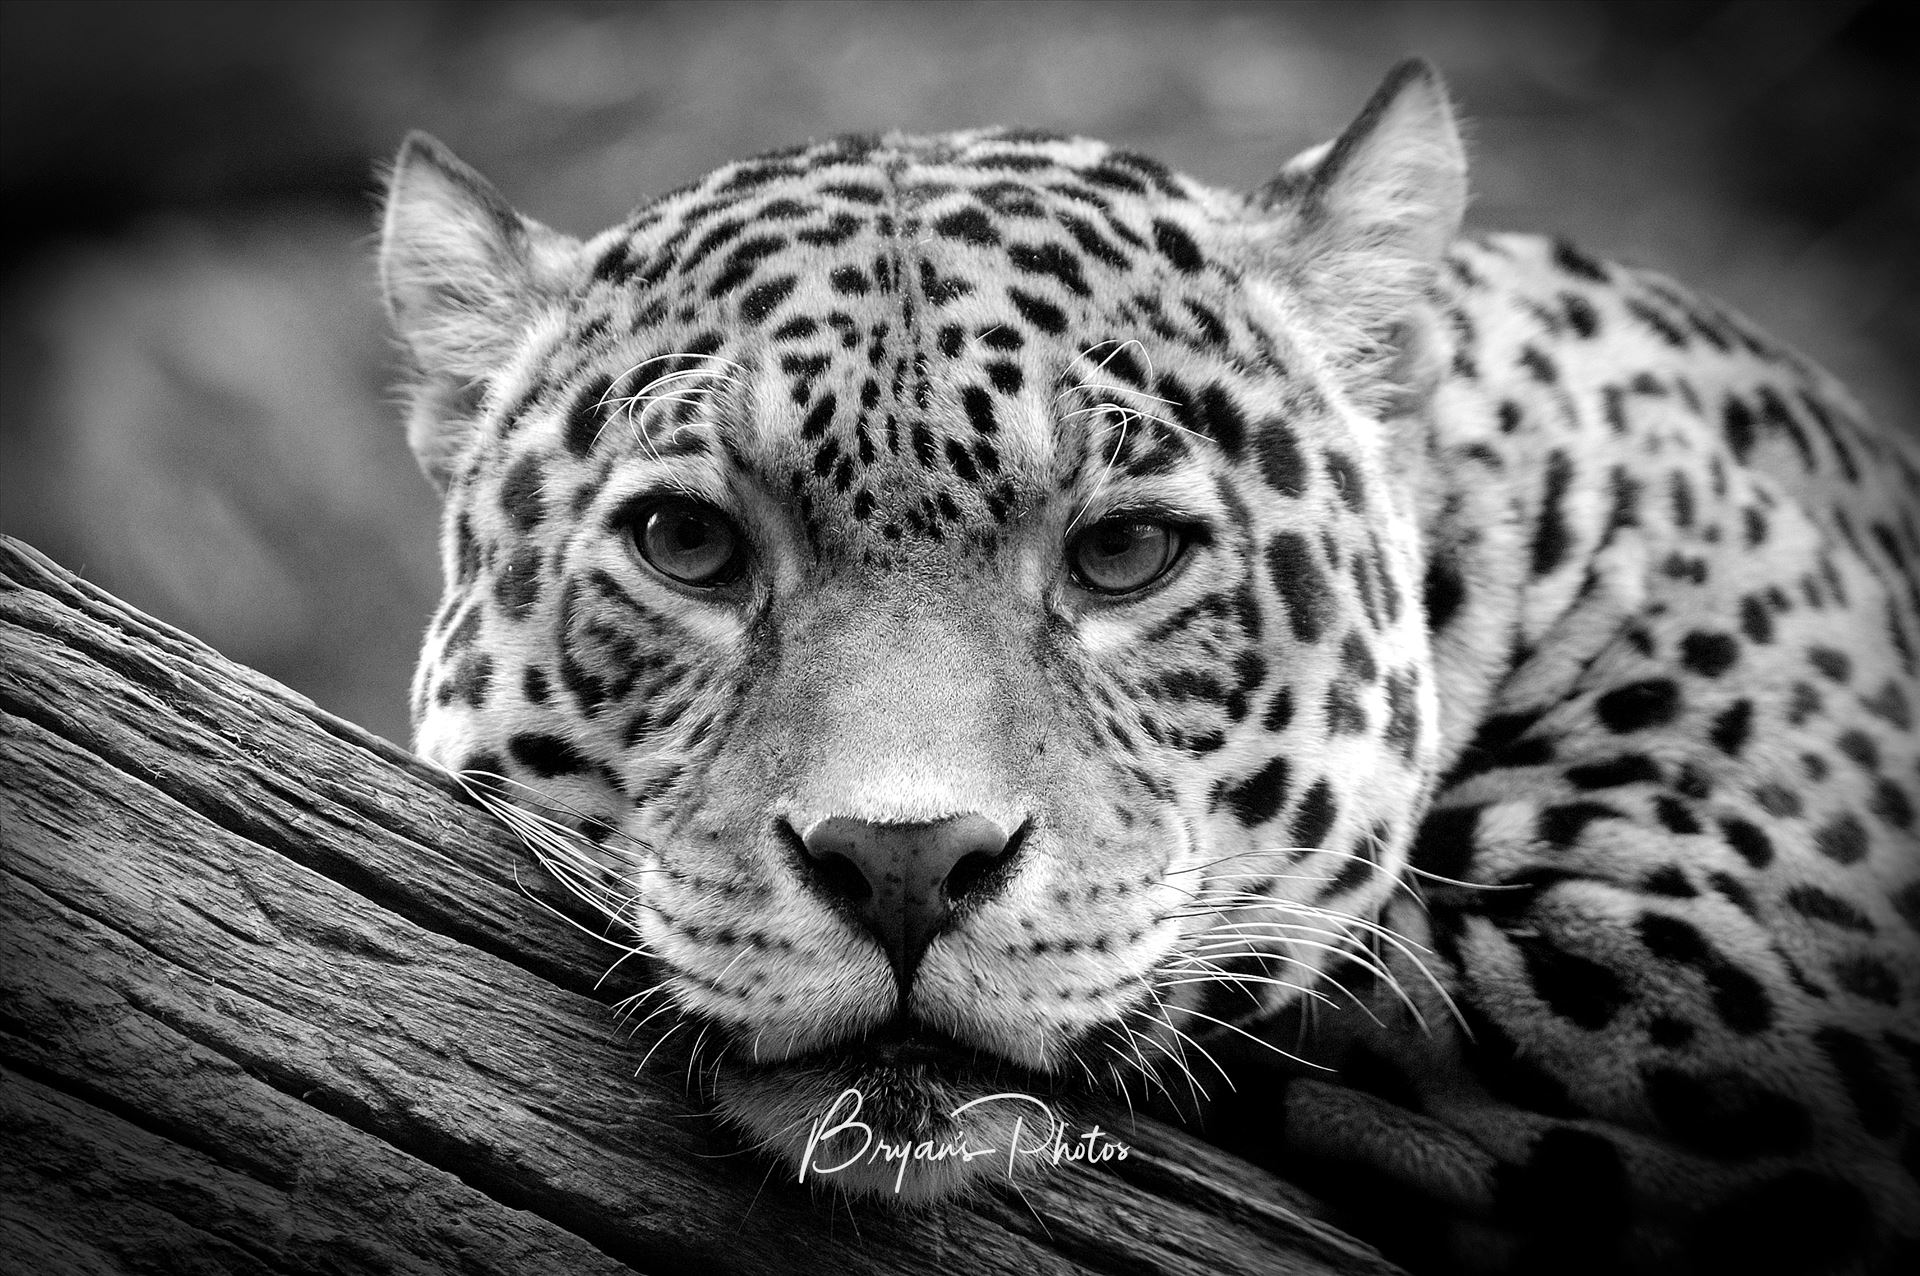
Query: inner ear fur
[460, 272]
[1351, 232]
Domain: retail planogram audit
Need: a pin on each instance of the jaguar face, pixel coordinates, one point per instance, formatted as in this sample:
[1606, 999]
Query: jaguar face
[954, 590]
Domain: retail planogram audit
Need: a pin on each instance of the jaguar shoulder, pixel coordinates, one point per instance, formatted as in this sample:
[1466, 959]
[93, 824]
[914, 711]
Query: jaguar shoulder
[997, 613]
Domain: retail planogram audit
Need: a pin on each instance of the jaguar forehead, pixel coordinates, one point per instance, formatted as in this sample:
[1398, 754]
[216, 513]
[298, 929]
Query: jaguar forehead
[887, 384]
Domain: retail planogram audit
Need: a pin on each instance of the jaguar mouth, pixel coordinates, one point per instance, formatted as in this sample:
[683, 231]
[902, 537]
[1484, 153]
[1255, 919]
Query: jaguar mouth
[906, 1049]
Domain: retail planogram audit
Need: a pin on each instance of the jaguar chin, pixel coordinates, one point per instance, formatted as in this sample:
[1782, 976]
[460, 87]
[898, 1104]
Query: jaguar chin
[901, 1116]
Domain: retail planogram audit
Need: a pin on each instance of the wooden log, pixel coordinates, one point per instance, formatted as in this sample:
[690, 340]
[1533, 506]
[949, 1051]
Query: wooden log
[274, 997]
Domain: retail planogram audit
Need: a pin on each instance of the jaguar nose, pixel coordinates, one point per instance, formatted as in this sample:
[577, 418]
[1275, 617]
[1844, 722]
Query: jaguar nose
[904, 880]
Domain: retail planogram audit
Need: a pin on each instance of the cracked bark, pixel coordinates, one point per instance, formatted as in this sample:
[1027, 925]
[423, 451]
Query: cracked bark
[274, 998]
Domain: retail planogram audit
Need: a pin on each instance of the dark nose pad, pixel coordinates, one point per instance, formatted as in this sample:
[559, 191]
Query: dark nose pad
[903, 880]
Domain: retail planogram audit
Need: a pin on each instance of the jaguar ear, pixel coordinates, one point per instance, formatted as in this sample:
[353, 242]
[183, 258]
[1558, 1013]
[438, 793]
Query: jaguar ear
[1355, 228]
[460, 274]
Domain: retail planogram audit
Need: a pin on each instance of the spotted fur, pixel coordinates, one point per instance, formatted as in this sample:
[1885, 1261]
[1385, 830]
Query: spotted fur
[1525, 734]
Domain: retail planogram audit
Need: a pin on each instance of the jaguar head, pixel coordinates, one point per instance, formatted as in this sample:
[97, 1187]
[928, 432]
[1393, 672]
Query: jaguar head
[952, 599]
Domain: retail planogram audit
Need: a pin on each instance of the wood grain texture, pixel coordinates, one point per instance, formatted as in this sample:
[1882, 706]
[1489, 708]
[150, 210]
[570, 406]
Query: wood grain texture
[273, 997]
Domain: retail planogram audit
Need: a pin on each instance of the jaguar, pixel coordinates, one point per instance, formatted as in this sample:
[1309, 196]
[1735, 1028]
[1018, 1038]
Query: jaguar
[987, 612]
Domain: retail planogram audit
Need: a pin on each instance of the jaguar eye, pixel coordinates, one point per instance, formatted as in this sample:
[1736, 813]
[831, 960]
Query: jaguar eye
[689, 542]
[1121, 555]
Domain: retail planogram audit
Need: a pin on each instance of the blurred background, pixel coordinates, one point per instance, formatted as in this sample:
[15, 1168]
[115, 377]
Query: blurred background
[194, 382]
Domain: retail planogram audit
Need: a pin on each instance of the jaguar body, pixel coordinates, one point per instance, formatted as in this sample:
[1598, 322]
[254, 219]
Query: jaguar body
[993, 613]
